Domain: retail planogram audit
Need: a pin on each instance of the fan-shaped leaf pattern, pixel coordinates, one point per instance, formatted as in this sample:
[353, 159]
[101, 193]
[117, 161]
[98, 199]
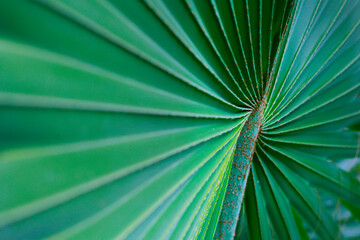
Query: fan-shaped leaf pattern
[180, 119]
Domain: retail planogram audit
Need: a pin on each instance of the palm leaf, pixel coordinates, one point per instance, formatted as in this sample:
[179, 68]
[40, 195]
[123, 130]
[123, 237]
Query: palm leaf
[180, 119]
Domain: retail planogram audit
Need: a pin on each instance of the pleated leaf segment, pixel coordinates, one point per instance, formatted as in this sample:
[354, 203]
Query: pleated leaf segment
[181, 119]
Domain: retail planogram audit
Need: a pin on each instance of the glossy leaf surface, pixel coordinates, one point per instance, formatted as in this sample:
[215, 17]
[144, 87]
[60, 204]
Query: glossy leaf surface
[181, 119]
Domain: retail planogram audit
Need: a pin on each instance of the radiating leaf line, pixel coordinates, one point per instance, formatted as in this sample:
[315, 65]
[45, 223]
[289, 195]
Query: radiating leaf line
[327, 140]
[186, 216]
[257, 87]
[44, 203]
[122, 200]
[196, 53]
[194, 189]
[209, 231]
[321, 168]
[129, 114]
[323, 86]
[212, 182]
[314, 108]
[278, 56]
[322, 122]
[282, 206]
[44, 102]
[195, 12]
[304, 37]
[98, 29]
[192, 230]
[273, 6]
[253, 96]
[291, 184]
[320, 69]
[112, 9]
[233, 51]
[273, 77]
[256, 214]
[84, 67]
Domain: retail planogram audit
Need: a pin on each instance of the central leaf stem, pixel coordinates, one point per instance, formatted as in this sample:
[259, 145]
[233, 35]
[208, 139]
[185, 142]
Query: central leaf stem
[243, 155]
